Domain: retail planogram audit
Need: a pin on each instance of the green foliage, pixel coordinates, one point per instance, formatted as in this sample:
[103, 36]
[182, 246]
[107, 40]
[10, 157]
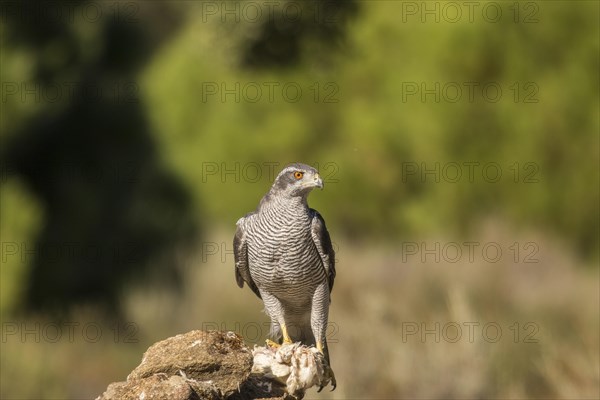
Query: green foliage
[541, 132]
[374, 139]
[21, 217]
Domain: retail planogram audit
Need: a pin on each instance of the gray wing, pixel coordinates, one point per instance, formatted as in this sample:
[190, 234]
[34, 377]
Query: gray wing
[240, 253]
[322, 241]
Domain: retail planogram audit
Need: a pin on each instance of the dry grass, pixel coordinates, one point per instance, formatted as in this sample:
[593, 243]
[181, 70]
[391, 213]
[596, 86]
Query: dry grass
[378, 298]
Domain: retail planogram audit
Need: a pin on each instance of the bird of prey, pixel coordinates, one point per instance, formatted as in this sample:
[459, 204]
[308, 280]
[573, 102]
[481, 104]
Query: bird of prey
[283, 252]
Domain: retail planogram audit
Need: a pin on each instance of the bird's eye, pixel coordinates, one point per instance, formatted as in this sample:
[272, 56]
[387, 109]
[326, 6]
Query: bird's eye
[298, 174]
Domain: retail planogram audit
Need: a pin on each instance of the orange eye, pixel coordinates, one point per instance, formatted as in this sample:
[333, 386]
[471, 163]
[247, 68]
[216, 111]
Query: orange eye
[298, 174]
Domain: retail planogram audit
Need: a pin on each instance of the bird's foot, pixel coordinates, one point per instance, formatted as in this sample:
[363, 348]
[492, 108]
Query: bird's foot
[286, 335]
[328, 377]
[273, 344]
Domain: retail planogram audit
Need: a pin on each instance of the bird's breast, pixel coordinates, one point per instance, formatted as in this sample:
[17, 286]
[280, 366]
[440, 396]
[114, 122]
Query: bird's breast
[283, 259]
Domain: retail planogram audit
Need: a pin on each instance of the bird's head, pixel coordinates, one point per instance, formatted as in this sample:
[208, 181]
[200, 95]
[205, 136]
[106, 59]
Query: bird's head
[297, 180]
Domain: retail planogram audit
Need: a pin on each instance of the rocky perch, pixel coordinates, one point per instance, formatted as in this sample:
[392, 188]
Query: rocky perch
[218, 365]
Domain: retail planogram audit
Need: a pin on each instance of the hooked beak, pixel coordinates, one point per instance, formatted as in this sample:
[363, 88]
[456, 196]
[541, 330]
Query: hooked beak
[319, 182]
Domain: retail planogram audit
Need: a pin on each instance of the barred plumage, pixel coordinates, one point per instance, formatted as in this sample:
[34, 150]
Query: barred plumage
[284, 253]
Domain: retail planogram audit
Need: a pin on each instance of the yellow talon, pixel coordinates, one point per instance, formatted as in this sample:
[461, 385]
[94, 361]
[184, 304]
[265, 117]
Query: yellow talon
[286, 336]
[286, 339]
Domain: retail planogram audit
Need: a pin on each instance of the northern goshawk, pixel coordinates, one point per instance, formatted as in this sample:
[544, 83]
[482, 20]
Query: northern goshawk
[284, 253]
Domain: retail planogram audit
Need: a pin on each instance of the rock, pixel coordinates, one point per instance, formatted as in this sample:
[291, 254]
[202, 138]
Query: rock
[197, 365]
[159, 387]
[217, 358]
[217, 365]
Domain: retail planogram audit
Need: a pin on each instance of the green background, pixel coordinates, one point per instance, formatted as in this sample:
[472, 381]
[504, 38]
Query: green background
[433, 124]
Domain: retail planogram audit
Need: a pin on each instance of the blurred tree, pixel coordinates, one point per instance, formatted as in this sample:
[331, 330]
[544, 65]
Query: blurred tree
[283, 35]
[110, 206]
